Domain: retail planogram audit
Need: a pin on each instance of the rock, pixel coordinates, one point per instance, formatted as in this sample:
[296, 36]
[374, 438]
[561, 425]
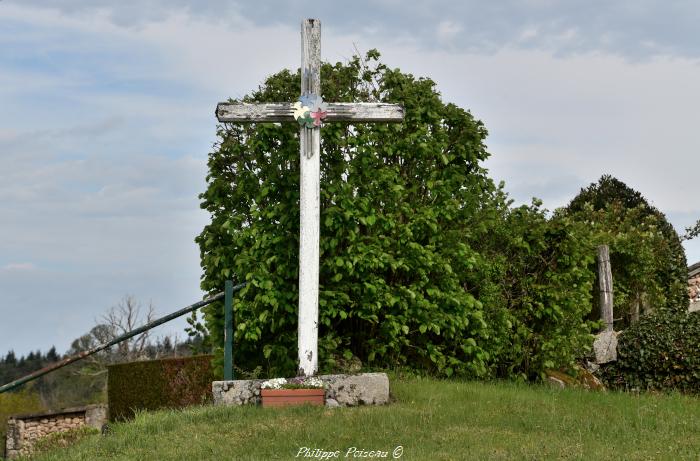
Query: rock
[556, 382]
[362, 389]
[591, 366]
[238, 392]
[605, 347]
[332, 403]
[588, 380]
[584, 379]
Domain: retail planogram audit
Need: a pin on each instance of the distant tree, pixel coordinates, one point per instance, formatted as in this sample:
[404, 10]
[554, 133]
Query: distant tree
[127, 315]
[52, 356]
[85, 381]
[10, 358]
[692, 231]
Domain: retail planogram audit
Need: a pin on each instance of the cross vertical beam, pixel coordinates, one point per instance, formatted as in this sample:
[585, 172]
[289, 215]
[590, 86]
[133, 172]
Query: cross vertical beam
[309, 204]
[310, 150]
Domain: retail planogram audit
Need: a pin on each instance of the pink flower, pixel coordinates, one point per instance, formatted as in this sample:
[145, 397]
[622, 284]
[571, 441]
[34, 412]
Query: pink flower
[318, 116]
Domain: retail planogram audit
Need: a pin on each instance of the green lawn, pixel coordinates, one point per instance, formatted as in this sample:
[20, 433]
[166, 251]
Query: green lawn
[430, 420]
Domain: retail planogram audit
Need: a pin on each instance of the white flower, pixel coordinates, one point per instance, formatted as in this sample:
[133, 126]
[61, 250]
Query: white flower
[276, 383]
[314, 382]
[300, 110]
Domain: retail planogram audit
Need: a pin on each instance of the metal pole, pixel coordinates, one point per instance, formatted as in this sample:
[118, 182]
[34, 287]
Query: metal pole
[228, 331]
[125, 336]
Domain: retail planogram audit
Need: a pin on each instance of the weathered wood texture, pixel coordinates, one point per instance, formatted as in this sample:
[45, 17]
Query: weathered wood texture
[605, 284]
[309, 202]
[309, 205]
[284, 112]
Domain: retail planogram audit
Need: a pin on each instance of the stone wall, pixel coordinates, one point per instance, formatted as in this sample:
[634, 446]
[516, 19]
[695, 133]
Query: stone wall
[24, 430]
[694, 287]
[341, 390]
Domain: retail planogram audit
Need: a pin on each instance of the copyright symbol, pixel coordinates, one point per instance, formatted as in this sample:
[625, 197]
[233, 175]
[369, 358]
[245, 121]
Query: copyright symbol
[398, 452]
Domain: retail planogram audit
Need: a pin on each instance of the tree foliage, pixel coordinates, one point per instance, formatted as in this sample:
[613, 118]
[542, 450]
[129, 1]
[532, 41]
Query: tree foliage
[692, 231]
[393, 253]
[647, 258]
[419, 250]
[541, 274]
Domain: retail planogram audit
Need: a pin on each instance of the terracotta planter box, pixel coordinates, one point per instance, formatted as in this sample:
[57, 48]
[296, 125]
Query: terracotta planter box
[285, 397]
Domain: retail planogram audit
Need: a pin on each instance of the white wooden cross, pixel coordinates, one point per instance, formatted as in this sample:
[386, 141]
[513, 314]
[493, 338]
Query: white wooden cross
[310, 147]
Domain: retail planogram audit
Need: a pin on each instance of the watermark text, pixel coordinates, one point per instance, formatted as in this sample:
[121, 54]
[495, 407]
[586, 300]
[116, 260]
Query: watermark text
[349, 452]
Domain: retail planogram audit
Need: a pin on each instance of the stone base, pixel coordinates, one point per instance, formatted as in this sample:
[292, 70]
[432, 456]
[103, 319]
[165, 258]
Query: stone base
[341, 390]
[605, 347]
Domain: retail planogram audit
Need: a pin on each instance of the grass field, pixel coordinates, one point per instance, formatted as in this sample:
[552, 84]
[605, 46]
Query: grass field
[429, 420]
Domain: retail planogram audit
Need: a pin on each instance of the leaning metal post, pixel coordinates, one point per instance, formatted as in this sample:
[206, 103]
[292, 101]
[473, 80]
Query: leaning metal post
[125, 336]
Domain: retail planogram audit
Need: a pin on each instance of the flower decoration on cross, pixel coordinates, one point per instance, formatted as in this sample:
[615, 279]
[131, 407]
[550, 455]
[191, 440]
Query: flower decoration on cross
[310, 110]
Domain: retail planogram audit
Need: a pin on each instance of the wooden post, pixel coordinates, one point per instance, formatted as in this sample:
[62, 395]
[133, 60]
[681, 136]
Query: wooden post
[634, 312]
[606, 287]
[309, 204]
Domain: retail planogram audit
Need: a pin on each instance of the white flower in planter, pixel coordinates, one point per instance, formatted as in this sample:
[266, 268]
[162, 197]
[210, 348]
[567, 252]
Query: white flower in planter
[275, 383]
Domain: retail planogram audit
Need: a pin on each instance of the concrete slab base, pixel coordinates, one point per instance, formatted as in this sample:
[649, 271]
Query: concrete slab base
[341, 390]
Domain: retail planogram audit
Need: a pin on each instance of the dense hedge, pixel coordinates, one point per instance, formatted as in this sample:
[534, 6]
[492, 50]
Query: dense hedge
[660, 352]
[153, 384]
[647, 259]
[541, 273]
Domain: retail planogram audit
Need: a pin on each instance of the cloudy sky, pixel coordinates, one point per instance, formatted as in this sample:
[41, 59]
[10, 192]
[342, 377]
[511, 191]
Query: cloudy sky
[106, 119]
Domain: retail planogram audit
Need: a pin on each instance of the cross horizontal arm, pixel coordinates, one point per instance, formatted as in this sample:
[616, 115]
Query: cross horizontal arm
[284, 112]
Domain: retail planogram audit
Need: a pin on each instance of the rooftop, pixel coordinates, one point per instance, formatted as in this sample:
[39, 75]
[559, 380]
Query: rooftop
[694, 269]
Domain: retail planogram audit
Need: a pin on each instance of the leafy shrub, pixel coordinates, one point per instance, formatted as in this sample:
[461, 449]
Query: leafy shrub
[543, 274]
[396, 200]
[422, 262]
[660, 352]
[154, 384]
[647, 259]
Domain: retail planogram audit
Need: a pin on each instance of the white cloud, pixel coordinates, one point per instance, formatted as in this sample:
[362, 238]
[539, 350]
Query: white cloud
[18, 267]
[447, 31]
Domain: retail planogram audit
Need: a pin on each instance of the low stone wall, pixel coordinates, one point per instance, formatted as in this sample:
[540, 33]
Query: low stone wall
[24, 430]
[694, 288]
[341, 390]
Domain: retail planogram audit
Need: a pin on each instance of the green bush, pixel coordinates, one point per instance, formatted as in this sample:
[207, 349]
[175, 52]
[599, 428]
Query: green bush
[545, 275]
[400, 204]
[647, 259]
[660, 352]
[154, 384]
[423, 264]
